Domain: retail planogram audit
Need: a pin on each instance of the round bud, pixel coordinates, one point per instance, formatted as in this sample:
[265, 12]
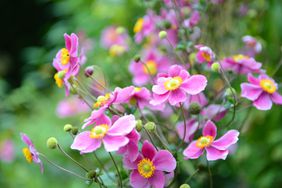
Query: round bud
[120, 30]
[137, 58]
[67, 127]
[162, 34]
[91, 174]
[167, 25]
[150, 126]
[74, 130]
[215, 67]
[194, 108]
[230, 91]
[88, 71]
[52, 143]
[185, 186]
[139, 125]
[61, 74]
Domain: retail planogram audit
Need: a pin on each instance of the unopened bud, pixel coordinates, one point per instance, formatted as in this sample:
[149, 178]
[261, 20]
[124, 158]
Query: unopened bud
[194, 108]
[67, 127]
[120, 30]
[91, 174]
[215, 67]
[150, 126]
[185, 186]
[137, 58]
[230, 91]
[52, 143]
[74, 130]
[139, 125]
[162, 34]
[61, 74]
[88, 71]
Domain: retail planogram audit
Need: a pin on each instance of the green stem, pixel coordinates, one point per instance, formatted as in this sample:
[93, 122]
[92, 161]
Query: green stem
[119, 175]
[210, 174]
[102, 166]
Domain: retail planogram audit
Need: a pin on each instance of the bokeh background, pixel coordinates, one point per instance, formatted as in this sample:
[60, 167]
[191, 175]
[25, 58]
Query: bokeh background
[32, 32]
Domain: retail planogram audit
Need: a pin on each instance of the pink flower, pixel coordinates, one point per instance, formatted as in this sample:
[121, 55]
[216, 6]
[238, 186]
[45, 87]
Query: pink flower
[252, 46]
[30, 152]
[216, 149]
[193, 20]
[192, 126]
[204, 54]
[7, 150]
[214, 112]
[174, 86]
[241, 64]
[149, 169]
[113, 136]
[198, 98]
[152, 63]
[262, 91]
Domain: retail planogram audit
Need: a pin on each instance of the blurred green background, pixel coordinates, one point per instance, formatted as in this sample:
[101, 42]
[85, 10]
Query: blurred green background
[32, 32]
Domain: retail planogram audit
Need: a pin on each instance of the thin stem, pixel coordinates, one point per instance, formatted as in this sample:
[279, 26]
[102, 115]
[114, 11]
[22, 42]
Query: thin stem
[151, 139]
[119, 175]
[210, 174]
[191, 176]
[185, 128]
[102, 166]
[159, 138]
[178, 56]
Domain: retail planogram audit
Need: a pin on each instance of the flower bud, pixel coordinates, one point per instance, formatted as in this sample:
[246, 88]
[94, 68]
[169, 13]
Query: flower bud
[74, 130]
[162, 34]
[88, 71]
[194, 108]
[215, 67]
[230, 91]
[150, 126]
[61, 74]
[73, 89]
[91, 174]
[52, 143]
[167, 25]
[67, 127]
[120, 30]
[139, 125]
[185, 186]
[137, 58]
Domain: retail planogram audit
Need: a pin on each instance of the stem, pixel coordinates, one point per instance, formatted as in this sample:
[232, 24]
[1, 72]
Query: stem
[191, 176]
[178, 56]
[151, 139]
[184, 119]
[120, 179]
[210, 174]
[102, 166]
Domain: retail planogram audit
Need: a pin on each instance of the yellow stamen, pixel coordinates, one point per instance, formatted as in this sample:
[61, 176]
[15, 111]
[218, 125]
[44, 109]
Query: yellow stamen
[146, 168]
[268, 86]
[150, 67]
[206, 56]
[138, 25]
[99, 131]
[65, 56]
[240, 57]
[173, 84]
[58, 80]
[116, 50]
[102, 100]
[27, 154]
[204, 141]
[137, 89]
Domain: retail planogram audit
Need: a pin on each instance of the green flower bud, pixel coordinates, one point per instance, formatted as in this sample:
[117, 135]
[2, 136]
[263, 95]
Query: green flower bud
[185, 186]
[74, 130]
[139, 125]
[137, 58]
[194, 108]
[120, 30]
[230, 91]
[215, 67]
[150, 126]
[167, 25]
[67, 127]
[61, 74]
[162, 34]
[52, 143]
[91, 174]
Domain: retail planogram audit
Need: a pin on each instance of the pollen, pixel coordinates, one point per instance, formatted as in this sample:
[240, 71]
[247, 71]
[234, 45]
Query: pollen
[99, 131]
[65, 56]
[268, 86]
[150, 67]
[58, 80]
[239, 57]
[146, 168]
[138, 25]
[173, 84]
[101, 100]
[204, 141]
[27, 154]
[206, 56]
[116, 50]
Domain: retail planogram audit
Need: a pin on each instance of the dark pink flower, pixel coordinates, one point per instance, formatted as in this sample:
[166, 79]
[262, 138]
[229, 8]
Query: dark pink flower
[192, 126]
[214, 112]
[205, 54]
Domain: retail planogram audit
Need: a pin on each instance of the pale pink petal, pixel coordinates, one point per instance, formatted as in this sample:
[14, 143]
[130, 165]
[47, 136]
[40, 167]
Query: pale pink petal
[159, 99]
[84, 143]
[26, 139]
[148, 150]
[177, 96]
[159, 89]
[215, 154]
[253, 80]
[164, 161]
[250, 91]
[137, 181]
[174, 70]
[209, 129]
[263, 102]
[122, 126]
[157, 180]
[195, 84]
[74, 44]
[276, 98]
[192, 151]
[113, 143]
[228, 139]
[184, 74]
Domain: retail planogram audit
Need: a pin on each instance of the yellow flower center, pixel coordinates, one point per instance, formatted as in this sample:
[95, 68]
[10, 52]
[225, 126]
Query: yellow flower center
[102, 100]
[138, 25]
[137, 89]
[65, 56]
[116, 50]
[150, 67]
[99, 131]
[206, 56]
[146, 168]
[27, 154]
[240, 57]
[268, 85]
[204, 141]
[59, 81]
[173, 84]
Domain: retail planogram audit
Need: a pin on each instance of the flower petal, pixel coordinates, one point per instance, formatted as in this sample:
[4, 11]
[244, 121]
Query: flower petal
[174, 70]
[195, 84]
[113, 143]
[84, 143]
[137, 181]
[157, 180]
[177, 97]
[192, 151]
[159, 89]
[209, 129]
[250, 91]
[276, 98]
[122, 126]
[164, 161]
[263, 102]
[215, 154]
[148, 150]
[228, 139]
[26, 139]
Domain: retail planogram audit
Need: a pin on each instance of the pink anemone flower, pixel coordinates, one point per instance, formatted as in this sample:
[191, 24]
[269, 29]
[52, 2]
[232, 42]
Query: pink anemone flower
[216, 149]
[262, 91]
[149, 169]
[192, 126]
[214, 112]
[113, 136]
[205, 54]
[174, 86]
[30, 153]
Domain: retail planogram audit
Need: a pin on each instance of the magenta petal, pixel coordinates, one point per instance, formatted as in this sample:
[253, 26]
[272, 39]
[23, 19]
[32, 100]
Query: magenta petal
[129, 164]
[253, 80]
[209, 129]
[192, 151]
[159, 99]
[263, 102]
[137, 181]
[276, 98]
[159, 89]
[176, 97]
[164, 161]
[250, 91]
[215, 154]
[195, 84]
[228, 139]
[174, 70]
[122, 126]
[113, 143]
[148, 150]
[26, 139]
[84, 143]
[67, 41]
[157, 180]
